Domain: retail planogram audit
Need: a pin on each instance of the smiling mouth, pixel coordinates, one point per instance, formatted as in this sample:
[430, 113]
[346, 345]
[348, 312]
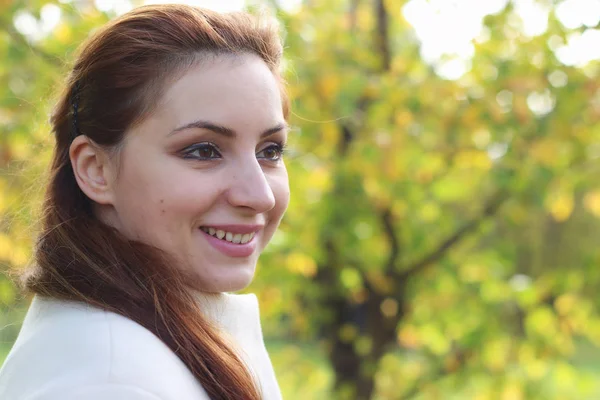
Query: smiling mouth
[236, 238]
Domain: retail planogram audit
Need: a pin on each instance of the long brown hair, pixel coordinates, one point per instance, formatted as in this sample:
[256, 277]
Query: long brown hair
[117, 77]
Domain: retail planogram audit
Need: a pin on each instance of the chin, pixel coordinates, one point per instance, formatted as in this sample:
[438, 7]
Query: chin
[233, 281]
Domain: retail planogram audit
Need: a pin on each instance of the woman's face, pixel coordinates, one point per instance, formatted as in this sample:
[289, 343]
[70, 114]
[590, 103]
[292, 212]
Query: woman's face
[202, 178]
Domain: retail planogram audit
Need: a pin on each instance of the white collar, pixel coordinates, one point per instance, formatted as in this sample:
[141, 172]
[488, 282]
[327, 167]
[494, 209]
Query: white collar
[236, 314]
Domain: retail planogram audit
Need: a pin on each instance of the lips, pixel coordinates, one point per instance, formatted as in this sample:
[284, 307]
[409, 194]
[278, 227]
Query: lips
[232, 240]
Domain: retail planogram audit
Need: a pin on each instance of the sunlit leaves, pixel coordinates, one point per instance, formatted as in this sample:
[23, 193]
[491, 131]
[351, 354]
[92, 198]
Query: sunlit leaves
[592, 202]
[302, 264]
[560, 204]
[500, 314]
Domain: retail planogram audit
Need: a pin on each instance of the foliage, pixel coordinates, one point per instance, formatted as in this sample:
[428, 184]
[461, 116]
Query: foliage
[442, 236]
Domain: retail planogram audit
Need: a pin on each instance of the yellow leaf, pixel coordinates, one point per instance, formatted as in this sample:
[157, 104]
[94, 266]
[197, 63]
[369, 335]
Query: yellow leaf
[347, 333]
[564, 376]
[329, 86]
[409, 337]
[21, 149]
[470, 118]
[321, 178]
[269, 297]
[565, 303]
[545, 151]
[7, 292]
[592, 329]
[359, 296]
[393, 168]
[372, 91]
[536, 369]
[377, 191]
[19, 255]
[364, 19]
[432, 165]
[481, 138]
[455, 185]
[363, 345]
[351, 278]
[330, 133]
[560, 204]
[2, 196]
[63, 33]
[380, 281]
[5, 247]
[591, 201]
[512, 391]
[517, 212]
[403, 118]
[435, 340]
[399, 208]
[542, 321]
[473, 272]
[473, 159]
[430, 211]
[495, 354]
[302, 264]
[526, 353]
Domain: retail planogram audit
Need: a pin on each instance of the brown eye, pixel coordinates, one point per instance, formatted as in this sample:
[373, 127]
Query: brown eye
[206, 152]
[202, 151]
[271, 153]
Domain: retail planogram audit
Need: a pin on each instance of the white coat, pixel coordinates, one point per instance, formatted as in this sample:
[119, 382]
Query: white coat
[72, 351]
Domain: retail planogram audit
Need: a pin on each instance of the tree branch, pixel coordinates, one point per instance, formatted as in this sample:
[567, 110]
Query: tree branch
[392, 237]
[489, 210]
[382, 38]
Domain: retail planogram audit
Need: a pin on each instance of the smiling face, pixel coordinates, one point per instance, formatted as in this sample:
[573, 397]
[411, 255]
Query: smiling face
[202, 178]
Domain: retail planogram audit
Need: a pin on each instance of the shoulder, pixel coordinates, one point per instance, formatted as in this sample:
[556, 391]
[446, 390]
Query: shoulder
[65, 345]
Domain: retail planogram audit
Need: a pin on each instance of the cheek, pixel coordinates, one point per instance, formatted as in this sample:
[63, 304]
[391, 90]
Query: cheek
[153, 203]
[142, 209]
[281, 191]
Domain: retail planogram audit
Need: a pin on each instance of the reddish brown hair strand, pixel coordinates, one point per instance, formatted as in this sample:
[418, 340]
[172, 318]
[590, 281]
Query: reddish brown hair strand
[119, 73]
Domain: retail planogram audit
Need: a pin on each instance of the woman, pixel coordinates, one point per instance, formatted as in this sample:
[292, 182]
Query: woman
[167, 182]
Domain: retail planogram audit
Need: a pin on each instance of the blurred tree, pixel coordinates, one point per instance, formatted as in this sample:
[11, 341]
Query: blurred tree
[441, 239]
[453, 219]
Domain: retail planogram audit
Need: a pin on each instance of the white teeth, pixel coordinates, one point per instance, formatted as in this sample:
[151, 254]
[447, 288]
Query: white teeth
[236, 238]
[246, 238]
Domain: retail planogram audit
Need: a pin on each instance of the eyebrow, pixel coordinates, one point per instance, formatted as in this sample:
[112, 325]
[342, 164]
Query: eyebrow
[222, 130]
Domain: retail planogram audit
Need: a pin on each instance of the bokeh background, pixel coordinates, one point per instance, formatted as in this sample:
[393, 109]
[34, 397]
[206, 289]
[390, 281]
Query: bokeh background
[443, 236]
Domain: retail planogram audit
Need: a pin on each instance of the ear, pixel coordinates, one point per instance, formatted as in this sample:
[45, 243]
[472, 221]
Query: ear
[93, 170]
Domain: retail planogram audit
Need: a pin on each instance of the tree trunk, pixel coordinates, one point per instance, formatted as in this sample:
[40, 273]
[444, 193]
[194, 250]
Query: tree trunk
[350, 382]
[355, 372]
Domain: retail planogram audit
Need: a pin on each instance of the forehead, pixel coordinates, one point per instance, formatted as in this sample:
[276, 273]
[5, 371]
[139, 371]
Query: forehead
[225, 89]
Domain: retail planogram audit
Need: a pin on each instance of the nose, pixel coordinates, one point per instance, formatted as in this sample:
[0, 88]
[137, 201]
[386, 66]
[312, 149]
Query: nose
[250, 188]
